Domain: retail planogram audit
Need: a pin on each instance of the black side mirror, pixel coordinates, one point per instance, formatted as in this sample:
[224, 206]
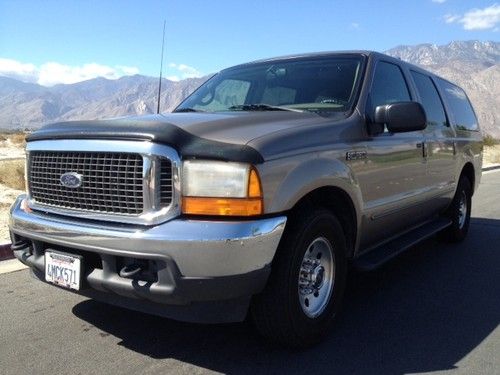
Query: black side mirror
[401, 117]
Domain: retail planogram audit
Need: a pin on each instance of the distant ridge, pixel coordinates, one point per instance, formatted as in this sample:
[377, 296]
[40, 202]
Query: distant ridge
[29, 106]
[473, 65]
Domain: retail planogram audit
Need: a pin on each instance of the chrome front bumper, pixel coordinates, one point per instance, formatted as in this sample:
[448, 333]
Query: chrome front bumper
[199, 248]
[203, 271]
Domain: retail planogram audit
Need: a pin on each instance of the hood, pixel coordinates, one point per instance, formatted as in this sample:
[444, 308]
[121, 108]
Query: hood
[239, 127]
[214, 135]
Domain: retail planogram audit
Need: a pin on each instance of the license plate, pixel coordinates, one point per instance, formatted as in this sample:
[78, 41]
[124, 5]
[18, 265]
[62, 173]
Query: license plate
[63, 269]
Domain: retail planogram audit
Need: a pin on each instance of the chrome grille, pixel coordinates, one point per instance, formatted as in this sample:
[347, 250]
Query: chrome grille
[112, 182]
[132, 182]
[165, 182]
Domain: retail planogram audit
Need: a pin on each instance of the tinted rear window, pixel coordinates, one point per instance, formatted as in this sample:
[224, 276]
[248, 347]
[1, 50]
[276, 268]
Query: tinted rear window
[430, 99]
[463, 114]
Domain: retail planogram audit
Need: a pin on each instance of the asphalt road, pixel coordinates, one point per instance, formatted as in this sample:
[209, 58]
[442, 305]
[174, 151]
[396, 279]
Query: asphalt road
[434, 309]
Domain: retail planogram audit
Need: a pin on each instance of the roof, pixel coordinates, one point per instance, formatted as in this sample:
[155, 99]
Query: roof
[301, 56]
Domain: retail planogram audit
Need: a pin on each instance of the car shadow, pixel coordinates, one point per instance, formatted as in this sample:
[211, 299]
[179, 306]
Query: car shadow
[424, 311]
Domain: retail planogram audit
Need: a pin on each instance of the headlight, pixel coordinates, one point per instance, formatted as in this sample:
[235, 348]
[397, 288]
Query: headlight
[220, 188]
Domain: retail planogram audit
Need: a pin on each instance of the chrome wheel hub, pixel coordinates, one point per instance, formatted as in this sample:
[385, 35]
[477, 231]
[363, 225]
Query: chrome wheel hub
[316, 277]
[462, 210]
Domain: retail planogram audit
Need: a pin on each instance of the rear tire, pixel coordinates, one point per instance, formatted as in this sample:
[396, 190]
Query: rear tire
[459, 212]
[307, 282]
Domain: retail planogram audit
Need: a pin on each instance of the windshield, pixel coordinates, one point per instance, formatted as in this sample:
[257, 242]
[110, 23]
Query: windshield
[323, 84]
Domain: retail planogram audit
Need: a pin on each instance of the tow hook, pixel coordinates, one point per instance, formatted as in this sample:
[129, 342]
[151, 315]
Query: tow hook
[130, 270]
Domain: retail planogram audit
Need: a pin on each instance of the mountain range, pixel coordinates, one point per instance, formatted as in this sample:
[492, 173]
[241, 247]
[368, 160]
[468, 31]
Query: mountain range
[29, 106]
[473, 65]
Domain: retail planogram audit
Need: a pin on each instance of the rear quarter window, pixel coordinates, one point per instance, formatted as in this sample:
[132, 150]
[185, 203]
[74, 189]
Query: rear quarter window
[430, 100]
[462, 111]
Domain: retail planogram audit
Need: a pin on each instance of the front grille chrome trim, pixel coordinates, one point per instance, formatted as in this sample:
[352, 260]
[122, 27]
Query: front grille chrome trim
[153, 155]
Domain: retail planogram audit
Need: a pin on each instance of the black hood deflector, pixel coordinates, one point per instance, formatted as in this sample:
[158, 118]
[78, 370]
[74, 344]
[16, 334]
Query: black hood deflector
[149, 128]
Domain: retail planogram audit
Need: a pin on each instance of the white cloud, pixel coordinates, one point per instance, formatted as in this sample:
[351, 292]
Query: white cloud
[481, 19]
[183, 71]
[128, 70]
[173, 78]
[354, 26]
[450, 18]
[17, 70]
[477, 19]
[439, 1]
[53, 73]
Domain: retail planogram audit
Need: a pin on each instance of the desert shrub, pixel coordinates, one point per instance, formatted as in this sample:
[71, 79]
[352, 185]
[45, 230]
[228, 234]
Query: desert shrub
[17, 139]
[489, 141]
[12, 173]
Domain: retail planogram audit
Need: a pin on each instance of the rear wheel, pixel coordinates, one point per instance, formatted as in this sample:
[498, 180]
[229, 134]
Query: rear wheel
[459, 212]
[307, 282]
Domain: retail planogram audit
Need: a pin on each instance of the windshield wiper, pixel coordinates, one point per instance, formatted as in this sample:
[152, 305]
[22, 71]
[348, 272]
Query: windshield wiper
[260, 107]
[180, 110]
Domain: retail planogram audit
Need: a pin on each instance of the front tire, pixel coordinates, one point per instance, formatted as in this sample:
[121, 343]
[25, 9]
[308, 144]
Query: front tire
[459, 212]
[307, 282]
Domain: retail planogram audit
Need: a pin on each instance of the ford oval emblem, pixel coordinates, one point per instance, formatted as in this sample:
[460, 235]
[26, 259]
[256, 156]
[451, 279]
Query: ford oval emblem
[71, 180]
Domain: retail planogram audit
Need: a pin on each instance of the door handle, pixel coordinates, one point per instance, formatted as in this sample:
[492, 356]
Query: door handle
[423, 146]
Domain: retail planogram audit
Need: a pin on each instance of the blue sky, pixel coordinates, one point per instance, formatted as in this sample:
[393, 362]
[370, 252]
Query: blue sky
[66, 41]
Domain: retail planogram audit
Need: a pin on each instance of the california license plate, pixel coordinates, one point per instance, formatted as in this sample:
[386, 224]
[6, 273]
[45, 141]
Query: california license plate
[63, 269]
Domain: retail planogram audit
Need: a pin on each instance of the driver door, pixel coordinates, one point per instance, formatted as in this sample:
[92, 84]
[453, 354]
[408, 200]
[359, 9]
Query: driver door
[392, 181]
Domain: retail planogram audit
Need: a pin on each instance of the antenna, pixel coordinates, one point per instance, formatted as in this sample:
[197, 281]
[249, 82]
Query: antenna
[161, 66]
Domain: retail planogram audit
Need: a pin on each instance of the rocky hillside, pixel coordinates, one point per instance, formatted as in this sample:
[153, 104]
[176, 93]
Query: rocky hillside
[473, 65]
[28, 106]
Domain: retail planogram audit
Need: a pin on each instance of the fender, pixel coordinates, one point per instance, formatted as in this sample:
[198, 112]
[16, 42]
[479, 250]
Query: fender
[311, 174]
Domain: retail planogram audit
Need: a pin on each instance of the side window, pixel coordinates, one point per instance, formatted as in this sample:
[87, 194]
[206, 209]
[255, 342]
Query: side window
[430, 99]
[228, 93]
[389, 85]
[460, 106]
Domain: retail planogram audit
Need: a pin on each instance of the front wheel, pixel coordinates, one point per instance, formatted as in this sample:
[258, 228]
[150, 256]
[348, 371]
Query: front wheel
[307, 282]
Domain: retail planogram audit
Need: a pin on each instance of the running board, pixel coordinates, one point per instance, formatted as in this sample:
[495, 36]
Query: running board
[389, 250]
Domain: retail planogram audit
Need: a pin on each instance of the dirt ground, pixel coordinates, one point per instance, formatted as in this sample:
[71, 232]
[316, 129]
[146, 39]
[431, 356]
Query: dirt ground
[10, 150]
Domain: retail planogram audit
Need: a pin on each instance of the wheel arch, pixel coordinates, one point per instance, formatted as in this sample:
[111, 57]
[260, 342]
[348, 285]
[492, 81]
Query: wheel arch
[337, 201]
[469, 172]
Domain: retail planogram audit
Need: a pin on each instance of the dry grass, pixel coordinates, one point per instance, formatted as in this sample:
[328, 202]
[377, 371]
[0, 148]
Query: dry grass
[18, 139]
[15, 139]
[12, 173]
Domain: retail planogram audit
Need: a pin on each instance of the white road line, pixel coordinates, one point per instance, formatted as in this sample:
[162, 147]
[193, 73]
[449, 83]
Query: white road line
[491, 171]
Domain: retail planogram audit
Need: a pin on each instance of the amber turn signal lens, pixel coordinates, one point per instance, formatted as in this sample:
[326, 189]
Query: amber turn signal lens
[222, 206]
[254, 188]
